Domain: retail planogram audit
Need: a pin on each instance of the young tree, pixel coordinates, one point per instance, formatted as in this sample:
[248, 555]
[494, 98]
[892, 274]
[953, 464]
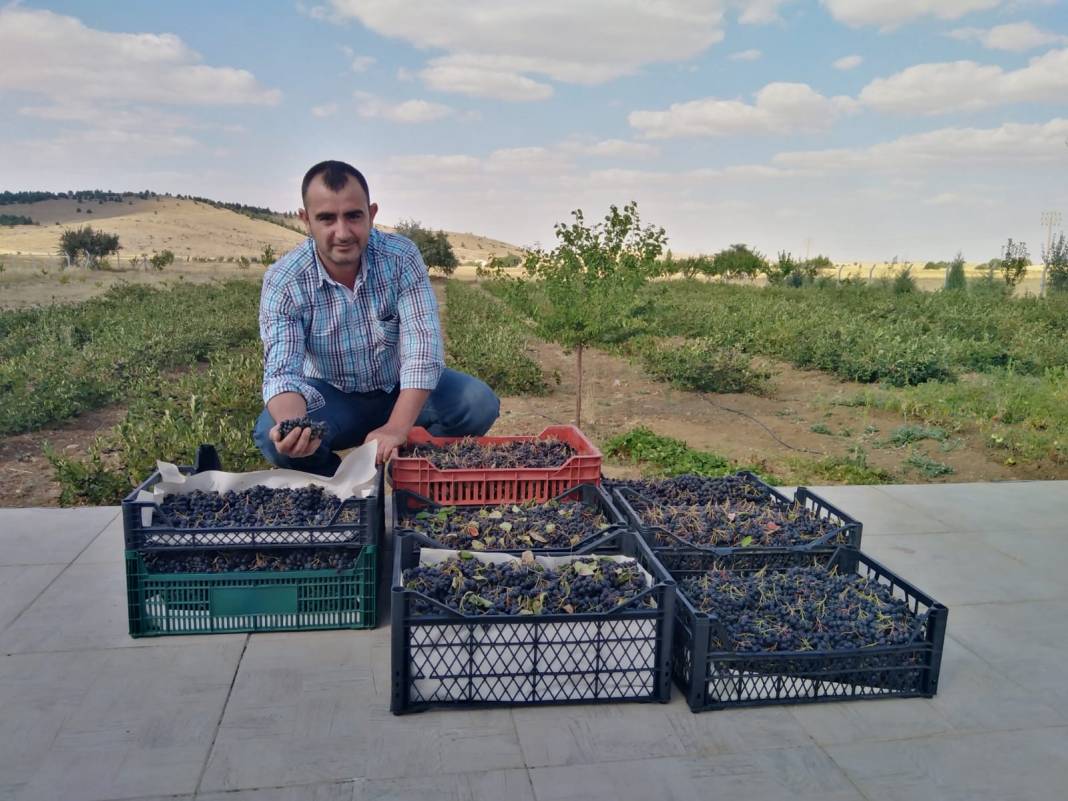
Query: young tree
[434, 246]
[739, 260]
[161, 260]
[1014, 262]
[955, 274]
[588, 285]
[96, 245]
[267, 258]
[1055, 264]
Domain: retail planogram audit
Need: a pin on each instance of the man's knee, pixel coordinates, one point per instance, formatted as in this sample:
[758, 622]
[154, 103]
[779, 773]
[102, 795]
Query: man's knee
[481, 407]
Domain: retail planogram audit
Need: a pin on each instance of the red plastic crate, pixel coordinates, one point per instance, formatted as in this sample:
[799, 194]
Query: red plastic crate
[497, 485]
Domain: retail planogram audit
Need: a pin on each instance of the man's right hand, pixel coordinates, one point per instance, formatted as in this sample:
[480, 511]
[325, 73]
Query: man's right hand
[296, 445]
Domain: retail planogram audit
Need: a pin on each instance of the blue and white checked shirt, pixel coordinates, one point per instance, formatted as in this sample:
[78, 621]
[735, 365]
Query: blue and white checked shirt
[383, 333]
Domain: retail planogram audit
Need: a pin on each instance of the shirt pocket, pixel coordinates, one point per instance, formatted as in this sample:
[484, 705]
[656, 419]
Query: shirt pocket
[387, 332]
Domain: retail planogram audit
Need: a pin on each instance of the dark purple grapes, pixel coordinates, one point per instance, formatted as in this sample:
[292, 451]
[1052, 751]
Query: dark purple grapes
[696, 490]
[257, 506]
[588, 584]
[740, 524]
[318, 429]
[234, 561]
[470, 454]
[801, 609]
[508, 527]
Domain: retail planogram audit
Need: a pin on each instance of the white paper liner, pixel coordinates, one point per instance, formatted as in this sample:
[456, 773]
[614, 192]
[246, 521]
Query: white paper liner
[355, 477]
[522, 662]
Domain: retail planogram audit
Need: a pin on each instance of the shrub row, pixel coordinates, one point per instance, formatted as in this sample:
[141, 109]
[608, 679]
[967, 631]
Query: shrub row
[59, 361]
[485, 339]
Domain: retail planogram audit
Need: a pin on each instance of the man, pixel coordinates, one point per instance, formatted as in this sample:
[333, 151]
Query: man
[352, 339]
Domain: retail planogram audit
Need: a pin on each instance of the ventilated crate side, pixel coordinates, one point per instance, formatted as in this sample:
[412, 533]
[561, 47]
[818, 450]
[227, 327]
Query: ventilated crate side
[161, 604]
[469, 486]
[449, 659]
[715, 677]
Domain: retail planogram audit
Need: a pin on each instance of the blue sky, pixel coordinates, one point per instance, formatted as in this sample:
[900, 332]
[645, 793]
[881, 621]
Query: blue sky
[863, 129]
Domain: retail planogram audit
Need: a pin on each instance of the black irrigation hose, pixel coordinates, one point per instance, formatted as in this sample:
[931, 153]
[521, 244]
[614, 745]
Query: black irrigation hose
[750, 417]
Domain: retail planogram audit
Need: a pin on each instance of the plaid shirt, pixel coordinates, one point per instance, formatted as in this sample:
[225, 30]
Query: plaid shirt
[382, 333]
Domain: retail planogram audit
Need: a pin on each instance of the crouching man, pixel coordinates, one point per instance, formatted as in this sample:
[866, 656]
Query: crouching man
[352, 338]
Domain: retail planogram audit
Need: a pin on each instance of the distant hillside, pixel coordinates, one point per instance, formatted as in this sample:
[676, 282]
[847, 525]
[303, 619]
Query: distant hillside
[193, 228]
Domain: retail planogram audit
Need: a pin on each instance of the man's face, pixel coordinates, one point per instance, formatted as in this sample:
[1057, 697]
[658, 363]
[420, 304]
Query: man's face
[339, 222]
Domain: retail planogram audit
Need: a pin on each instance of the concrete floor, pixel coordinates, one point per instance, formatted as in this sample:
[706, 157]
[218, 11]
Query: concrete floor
[88, 713]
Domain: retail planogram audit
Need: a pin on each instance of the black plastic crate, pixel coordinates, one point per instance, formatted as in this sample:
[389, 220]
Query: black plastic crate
[451, 659]
[847, 530]
[161, 604]
[358, 521]
[406, 502]
[715, 677]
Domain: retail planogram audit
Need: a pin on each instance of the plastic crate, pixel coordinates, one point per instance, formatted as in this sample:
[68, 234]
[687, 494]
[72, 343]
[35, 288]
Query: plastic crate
[713, 677]
[365, 528]
[497, 485]
[163, 604]
[847, 530]
[449, 659]
[586, 494]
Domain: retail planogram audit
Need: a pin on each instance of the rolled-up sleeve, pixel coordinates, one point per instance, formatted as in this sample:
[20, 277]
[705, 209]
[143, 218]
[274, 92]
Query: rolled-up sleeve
[422, 353]
[282, 333]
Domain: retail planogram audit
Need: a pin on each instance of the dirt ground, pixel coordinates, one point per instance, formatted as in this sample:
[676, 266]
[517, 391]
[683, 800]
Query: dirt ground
[769, 431]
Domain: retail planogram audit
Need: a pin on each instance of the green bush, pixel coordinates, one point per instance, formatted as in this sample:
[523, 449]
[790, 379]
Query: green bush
[59, 361]
[738, 261]
[955, 280]
[703, 366]
[434, 246]
[485, 339]
[672, 457]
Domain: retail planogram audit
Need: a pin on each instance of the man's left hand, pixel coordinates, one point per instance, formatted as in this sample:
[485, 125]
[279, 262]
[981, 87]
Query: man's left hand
[388, 439]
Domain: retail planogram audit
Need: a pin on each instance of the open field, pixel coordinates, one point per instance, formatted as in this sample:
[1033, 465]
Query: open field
[850, 384]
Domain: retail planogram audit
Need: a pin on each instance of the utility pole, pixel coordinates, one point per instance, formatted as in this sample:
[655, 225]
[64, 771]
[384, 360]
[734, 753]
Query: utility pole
[1049, 219]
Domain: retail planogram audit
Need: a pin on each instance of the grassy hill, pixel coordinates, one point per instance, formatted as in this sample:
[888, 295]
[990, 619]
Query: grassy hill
[192, 229]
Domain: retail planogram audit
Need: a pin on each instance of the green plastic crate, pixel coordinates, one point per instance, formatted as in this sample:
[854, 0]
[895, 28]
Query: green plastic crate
[162, 604]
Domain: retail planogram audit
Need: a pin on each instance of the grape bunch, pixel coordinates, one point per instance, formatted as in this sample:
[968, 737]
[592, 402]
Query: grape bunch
[318, 429]
[801, 609]
[509, 527]
[256, 506]
[468, 453]
[740, 524]
[697, 490]
[523, 587]
[281, 560]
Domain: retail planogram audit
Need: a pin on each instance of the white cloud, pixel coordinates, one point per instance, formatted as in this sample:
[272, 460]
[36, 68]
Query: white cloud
[1015, 37]
[619, 148]
[891, 13]
[327, 110]
[968, 86]
[780, 108]
[945, 148]
[357, 63]
[479, 78]
[848, 62]
[59, 57]
[409, 111]
[745, 55]
[492, 49]
[759, 12]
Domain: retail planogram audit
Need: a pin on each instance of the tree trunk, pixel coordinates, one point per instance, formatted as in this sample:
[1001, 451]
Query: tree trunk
[578, 389]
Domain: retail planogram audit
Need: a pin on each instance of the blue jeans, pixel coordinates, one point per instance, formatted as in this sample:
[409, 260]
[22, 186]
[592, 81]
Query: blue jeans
[461, 405]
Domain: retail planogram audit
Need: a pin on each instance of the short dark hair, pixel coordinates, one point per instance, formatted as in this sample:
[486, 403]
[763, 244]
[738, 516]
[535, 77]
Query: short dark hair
[335, 175]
